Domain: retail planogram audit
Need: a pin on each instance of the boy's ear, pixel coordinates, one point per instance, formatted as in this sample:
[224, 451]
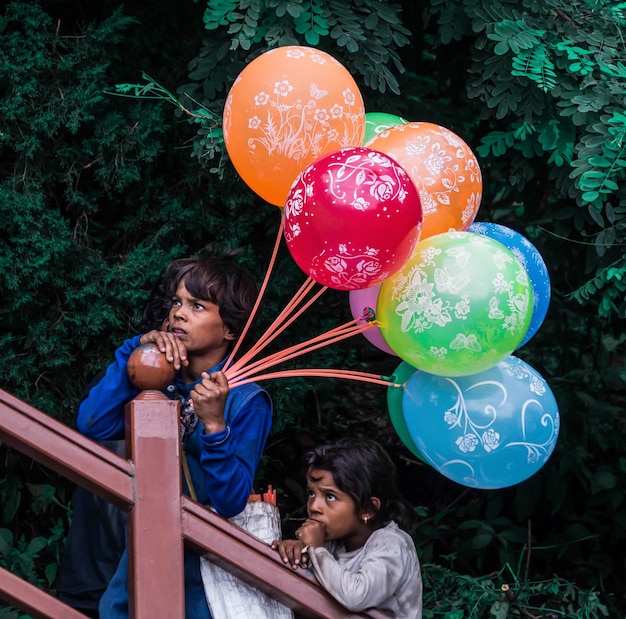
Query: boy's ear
[228, 334]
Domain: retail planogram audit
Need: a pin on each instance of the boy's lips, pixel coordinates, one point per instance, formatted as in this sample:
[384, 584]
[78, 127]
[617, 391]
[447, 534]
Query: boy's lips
[178, 332]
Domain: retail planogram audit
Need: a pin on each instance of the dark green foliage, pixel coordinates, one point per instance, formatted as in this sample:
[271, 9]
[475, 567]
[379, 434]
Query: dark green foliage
[366, 34]
[33, 530]
[550, 80]
[503, 595]
[98, 192]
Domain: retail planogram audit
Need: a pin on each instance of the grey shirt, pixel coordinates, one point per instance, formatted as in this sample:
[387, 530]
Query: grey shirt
[383, 574]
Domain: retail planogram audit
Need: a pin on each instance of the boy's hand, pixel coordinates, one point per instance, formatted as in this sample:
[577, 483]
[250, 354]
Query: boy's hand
[209, 400]
[290, 551]
[174, 350]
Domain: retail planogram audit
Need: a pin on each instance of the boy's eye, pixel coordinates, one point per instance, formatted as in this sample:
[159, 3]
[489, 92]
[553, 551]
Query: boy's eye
[175, 302]
[198, 306]
[330, 497]
[310, 494]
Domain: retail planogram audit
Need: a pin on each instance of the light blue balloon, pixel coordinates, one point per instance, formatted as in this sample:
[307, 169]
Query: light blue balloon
[488, 430]
[532, 261]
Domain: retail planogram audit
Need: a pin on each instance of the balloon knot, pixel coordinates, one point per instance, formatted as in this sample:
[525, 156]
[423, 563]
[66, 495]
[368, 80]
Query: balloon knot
[369, 314]
[392, 382]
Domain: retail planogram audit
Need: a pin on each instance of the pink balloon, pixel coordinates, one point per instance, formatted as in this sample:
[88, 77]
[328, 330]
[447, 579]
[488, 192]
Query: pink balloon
[360, 302]
[352, 218]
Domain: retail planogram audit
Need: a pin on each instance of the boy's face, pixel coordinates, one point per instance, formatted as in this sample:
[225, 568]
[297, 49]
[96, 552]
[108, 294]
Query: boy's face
[197, 323]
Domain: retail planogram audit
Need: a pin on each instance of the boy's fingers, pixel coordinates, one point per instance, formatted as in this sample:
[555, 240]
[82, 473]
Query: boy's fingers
[218, 378]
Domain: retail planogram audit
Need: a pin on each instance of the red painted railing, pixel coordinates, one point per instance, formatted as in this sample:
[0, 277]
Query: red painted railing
[147, 484]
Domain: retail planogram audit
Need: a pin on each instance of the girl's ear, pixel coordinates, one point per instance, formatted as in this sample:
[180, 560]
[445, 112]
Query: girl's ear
[369, 514]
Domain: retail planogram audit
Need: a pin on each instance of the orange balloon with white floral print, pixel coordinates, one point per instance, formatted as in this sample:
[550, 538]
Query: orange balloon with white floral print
[286, 109]
[444, 170]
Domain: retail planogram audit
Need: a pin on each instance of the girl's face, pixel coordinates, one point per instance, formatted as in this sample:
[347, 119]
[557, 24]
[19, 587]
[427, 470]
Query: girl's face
[335, 510]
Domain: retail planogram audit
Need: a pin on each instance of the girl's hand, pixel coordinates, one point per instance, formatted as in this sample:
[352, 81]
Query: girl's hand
[209, 400]
[174, 350]
[290, 551]
[312, 533]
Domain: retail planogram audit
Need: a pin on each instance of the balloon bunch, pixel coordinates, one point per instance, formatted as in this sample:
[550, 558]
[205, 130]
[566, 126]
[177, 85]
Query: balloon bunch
[384, 209]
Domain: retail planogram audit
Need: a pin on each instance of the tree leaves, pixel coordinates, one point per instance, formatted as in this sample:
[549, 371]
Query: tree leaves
[556, 67]
[366, 34]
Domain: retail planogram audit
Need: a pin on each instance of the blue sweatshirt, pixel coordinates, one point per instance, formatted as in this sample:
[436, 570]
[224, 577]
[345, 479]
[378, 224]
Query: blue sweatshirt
[222, 465]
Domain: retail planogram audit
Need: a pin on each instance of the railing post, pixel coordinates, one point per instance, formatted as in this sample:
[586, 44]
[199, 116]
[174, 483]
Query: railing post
[155, 544]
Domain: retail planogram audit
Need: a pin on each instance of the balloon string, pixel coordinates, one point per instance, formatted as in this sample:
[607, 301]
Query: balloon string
[297, 298]
[321, 372]
[281, 322]
[329, 337]
[257, 303]
[241, 371]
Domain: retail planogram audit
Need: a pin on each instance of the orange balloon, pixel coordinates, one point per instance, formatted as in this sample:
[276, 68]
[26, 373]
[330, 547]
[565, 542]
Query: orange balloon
[287, 108]
[444, 170]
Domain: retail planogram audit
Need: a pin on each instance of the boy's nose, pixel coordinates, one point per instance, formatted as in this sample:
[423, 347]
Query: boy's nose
[179, 313]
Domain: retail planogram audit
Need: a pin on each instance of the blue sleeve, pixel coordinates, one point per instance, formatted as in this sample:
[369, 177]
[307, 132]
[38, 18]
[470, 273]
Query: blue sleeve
[101, 413]
[229, 459]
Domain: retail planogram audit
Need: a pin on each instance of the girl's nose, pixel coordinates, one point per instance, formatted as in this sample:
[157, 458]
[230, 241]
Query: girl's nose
[315, 505]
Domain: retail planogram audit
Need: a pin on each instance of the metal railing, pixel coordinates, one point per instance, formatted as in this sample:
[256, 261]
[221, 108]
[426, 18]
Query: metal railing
[146, 484]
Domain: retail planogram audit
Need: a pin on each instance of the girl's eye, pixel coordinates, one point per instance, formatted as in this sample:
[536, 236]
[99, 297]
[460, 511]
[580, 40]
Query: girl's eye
[330, 497]
[198, 306]
[310, 494]
[175, 302]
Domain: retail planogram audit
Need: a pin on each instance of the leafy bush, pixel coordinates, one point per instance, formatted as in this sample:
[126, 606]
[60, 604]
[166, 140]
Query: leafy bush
[549, 78]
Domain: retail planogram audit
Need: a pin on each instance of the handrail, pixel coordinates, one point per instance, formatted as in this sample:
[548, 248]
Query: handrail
[82, 461]
[146, 486]
[257, 564]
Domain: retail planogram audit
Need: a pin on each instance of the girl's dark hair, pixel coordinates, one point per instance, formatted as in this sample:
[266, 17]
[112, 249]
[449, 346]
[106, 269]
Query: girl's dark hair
[363, 469]
[223, 281]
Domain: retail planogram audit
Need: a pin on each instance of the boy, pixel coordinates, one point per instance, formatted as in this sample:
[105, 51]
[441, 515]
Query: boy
[97, 535]
[223, 432]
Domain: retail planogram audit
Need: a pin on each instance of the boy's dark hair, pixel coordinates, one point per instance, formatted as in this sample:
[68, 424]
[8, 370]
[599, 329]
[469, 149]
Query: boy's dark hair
[363, 469]
[223, 281]
[159, 303]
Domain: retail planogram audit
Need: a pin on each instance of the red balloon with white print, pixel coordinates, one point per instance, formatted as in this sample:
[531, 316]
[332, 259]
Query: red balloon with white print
[352, 218]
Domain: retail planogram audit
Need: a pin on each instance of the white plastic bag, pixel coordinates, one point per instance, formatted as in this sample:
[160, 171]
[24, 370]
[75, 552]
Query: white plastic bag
[228, 596]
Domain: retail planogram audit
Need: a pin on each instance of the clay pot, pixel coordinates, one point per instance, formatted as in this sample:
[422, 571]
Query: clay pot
[149, 369]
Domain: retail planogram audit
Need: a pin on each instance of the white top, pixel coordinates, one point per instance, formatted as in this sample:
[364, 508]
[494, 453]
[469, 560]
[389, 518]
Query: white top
[383, 574]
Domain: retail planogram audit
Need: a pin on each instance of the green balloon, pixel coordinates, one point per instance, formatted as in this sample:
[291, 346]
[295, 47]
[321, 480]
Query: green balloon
[461, 304]
[394, 403]
[375, 122]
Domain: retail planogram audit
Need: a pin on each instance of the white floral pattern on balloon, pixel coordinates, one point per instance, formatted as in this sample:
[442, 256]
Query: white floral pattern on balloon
[443, 168]
[287, 108]
[488, 430]
[460, 304]
[352, 218]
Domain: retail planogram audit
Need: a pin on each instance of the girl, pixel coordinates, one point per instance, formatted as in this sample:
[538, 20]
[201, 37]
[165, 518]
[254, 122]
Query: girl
[353, 538]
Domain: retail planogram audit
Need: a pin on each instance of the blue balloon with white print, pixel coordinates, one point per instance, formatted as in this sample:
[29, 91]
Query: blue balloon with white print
[532, 261]
[489, 430]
